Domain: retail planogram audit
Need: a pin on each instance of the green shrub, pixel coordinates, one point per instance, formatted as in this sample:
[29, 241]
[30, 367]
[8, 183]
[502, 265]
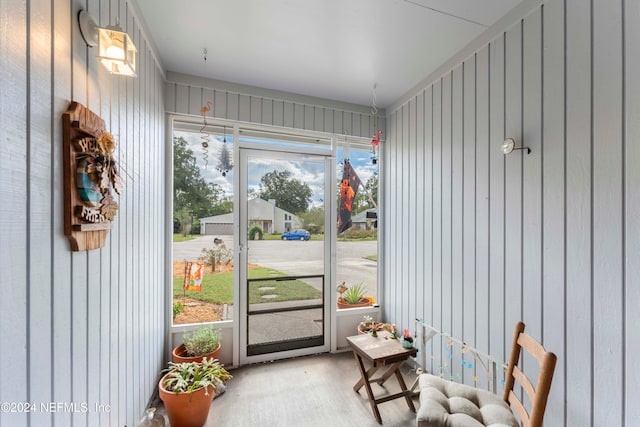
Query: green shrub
[252, 233]
[359, 233]
[177, 308]
[220, 254]
[202, 341]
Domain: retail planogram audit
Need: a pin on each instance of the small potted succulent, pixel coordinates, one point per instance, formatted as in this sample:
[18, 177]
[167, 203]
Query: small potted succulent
[407, 340]
[203, 342]
[187, 390]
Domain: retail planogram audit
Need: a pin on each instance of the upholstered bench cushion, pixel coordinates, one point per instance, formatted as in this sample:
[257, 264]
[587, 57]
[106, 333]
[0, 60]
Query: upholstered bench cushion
[447, 404]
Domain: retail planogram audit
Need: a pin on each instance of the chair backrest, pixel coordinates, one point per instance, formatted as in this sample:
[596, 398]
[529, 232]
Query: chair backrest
[538, 395]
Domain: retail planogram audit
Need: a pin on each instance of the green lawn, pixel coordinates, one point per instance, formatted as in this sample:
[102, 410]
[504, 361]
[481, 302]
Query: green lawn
[218, 288]
[357, 239]
[372, 257]
[181, 238]
[343, 238]
[271, 236]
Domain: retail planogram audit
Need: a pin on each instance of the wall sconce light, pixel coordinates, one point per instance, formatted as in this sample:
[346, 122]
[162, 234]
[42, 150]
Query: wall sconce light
[116, 51]
[509, 145]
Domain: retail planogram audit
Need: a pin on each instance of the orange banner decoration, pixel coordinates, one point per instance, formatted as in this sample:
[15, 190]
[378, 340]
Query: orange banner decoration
[193, 273]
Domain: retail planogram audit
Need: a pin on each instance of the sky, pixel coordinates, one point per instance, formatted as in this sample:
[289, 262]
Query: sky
[307, 171]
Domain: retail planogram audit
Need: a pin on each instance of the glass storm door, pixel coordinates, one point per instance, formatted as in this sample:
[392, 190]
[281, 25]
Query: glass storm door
[285, 258]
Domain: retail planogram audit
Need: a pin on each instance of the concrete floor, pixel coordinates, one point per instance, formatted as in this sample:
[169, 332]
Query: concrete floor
[311, 391]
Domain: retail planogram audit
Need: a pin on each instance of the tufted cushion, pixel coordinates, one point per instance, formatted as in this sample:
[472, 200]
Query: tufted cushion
[447, 404]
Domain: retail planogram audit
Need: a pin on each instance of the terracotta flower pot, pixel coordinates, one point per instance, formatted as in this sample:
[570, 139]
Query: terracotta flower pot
[364, 302]
[186, 409]
[179, 355]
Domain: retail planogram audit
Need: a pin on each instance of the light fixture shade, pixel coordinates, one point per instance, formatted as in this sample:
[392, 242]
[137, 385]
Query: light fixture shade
[508, 145]
[116, 51]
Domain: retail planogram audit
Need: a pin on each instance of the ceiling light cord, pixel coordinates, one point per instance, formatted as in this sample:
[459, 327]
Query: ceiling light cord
[447, 13]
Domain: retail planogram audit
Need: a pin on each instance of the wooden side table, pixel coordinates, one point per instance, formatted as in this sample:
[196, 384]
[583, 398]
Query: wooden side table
[380, 351]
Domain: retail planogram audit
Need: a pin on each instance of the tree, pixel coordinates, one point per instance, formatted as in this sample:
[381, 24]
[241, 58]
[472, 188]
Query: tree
[314, 220]
[290, 194]
[224, 206]
[184, 218]
[191, 192]
[372, 188]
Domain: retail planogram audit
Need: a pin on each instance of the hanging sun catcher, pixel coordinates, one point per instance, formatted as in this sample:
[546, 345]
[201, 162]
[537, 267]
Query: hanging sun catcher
[375, 141]
[225, 160]
[205, 138]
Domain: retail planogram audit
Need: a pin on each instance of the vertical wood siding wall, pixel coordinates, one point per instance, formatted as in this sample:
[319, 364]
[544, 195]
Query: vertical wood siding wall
[476, 240]
[187, 96]
[83, 328]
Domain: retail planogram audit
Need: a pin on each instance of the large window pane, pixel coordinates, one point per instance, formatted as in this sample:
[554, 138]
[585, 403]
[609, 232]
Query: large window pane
[357, 246]
[203, 267]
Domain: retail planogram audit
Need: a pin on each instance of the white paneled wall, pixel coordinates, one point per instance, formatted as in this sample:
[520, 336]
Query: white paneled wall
[476, 240]
[81, 328]
[187, 94]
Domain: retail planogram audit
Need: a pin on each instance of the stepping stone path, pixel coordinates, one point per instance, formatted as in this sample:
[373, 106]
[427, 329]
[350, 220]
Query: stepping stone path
[268, 288]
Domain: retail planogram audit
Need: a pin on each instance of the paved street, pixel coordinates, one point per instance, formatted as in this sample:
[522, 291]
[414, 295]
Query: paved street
[298, 257]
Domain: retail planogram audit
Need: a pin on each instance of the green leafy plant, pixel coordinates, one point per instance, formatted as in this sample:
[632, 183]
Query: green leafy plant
[189, 377]
[202, 341]
[178, 308]
[252, 233]
[354, 293]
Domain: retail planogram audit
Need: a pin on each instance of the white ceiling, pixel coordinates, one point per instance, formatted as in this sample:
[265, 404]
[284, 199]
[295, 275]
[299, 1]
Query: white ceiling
[334, 49]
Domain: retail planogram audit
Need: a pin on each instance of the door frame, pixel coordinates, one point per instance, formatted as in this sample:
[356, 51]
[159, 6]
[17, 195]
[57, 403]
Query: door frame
[288, 153]
[341, 322]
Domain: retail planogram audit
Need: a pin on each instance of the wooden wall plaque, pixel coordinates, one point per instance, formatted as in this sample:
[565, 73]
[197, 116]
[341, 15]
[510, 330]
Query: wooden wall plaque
[90, 178]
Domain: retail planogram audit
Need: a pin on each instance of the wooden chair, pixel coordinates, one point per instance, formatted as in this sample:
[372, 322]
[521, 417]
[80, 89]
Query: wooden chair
[538, 395]
[447, 404]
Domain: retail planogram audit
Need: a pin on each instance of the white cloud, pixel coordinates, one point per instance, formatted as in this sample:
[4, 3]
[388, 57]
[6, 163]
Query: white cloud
[307, 171]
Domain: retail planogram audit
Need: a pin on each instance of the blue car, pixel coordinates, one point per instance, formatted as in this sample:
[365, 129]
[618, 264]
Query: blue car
[296, 235]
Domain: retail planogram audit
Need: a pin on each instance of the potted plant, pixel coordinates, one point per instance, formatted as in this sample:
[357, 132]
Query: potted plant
[369, 326]
[407, 340]
[188, 389]
[354, 296]
[203, 342]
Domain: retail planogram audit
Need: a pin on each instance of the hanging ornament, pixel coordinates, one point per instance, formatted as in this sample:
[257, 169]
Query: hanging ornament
[225, 162]
[205, 138]
[376, 134]
[375, 142]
